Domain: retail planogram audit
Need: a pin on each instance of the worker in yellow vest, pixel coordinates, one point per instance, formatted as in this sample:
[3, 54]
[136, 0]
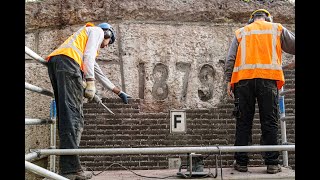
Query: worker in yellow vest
[253, 72]
[69, 66]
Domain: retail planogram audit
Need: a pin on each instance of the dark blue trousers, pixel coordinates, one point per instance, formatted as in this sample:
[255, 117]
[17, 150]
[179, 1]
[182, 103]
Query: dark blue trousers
[246, 93]
[66, 79]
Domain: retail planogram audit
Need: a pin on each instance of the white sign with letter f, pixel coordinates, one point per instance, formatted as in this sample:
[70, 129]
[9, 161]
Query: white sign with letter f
[177, 121]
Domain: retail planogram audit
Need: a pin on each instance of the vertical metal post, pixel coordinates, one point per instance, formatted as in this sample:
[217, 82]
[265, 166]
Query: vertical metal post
[190, 165]
[283, 128]
[53, 129]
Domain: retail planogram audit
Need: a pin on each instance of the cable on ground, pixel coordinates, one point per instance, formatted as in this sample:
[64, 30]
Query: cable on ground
[95, 174]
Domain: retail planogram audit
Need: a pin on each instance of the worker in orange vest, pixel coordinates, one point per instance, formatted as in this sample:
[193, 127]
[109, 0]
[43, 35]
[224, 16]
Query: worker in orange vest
[253, 71]
[69, 66]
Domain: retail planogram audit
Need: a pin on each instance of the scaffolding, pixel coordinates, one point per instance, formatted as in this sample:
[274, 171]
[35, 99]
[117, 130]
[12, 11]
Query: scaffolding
[52, 151]
[283, 116]
[51, 121]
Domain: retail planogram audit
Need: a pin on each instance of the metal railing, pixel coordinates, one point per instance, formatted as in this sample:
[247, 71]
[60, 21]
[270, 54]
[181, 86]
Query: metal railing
[51, 122]
[38, 90]
[43, 172]
[36, 153]
[165, 150]
[283, 117]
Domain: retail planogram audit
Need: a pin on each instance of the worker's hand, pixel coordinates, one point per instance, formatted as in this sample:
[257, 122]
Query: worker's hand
[90, 90]
[229, 90]
[124, 97]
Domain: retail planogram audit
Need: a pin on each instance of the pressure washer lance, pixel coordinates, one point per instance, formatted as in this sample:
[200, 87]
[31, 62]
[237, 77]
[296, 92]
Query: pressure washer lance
[98, 100]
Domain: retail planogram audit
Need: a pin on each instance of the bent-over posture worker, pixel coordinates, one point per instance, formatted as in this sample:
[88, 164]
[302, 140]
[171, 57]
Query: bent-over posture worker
[254, 73]
[69, 66]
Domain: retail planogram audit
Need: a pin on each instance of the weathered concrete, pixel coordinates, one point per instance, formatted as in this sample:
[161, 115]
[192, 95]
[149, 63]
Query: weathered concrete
[183, 62]
[181, 45]
[60, 13]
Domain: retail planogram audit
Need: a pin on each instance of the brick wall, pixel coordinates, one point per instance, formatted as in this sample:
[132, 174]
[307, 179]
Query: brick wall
[132, 128]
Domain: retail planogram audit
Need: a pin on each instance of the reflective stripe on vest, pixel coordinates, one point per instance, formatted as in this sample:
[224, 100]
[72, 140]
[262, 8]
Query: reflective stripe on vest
[73, 39]
[69, 48]
[271, 70]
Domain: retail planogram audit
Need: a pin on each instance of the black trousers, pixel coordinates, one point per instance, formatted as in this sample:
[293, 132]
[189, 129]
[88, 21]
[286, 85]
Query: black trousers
[66, 79]
[246, 92]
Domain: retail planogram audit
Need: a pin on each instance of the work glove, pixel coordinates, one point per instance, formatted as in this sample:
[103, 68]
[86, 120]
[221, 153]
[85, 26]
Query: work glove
[84, 84]
[90, 90]
[124, 97]
[229, 90]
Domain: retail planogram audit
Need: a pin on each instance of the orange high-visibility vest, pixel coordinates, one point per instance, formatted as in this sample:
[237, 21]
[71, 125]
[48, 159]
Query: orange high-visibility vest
[74, 46]
[259, 53]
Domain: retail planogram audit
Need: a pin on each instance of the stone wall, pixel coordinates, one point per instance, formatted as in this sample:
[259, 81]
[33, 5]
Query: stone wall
[168, 54]
[167, 64]
[130, 127]
[61, 13]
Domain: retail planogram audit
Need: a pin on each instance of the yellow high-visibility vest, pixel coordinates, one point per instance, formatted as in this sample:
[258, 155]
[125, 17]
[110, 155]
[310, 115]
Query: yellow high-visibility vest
[74, 46]
[259, 53]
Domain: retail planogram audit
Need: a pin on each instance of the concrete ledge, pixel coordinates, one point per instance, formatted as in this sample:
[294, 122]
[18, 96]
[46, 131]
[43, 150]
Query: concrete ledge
[228, 174]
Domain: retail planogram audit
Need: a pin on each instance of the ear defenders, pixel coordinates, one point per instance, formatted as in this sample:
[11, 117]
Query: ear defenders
[107, 33]
[259, 11]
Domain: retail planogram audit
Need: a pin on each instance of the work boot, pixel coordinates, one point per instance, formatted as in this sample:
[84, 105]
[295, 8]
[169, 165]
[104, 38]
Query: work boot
[239, 167]
[81, 175]
[273, 169]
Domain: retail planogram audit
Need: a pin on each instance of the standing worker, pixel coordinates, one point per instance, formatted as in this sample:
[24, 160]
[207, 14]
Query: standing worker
[254, 71]
[69, 66]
